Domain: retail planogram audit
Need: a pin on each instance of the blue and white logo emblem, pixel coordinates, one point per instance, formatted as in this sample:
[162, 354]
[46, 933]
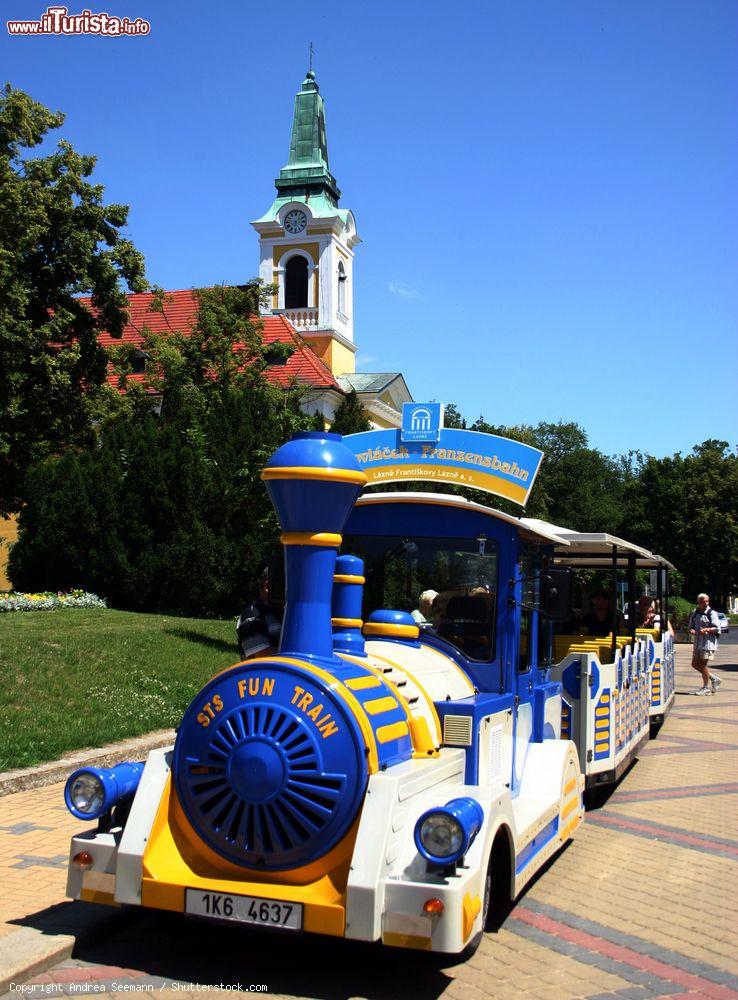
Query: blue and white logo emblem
[421, 422]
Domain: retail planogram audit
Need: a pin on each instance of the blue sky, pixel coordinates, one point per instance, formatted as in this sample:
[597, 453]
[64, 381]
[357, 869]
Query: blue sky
[547, 191]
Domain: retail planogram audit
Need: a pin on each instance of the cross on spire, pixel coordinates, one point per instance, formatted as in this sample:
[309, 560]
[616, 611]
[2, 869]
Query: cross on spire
[311, 51]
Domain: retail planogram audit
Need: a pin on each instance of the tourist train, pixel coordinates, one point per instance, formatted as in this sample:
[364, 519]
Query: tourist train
[419, 746]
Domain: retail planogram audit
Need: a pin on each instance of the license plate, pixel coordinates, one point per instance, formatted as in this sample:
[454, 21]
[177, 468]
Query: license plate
[274, 913]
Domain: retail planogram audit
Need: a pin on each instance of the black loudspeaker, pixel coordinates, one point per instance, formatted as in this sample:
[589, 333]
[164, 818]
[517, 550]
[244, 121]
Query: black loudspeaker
[556, 593]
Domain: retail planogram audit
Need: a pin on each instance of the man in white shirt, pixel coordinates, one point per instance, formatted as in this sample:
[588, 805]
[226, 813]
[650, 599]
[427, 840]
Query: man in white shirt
[705, 627]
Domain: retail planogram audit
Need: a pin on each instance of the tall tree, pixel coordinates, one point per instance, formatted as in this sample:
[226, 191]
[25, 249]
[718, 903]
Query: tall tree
[167, 511]
[452, 418]
[350, 417]
[577, 486]
[582, 486]
[686, 508]
[58, 240]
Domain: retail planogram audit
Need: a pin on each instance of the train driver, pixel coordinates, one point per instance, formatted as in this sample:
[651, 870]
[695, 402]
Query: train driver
[426, 614]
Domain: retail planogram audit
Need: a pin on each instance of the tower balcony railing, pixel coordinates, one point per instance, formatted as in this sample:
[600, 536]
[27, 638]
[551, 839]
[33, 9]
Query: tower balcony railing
[305, 318]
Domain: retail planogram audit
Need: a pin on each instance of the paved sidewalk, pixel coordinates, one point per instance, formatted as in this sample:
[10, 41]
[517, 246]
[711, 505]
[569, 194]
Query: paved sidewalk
[35, 830]
[643, 904]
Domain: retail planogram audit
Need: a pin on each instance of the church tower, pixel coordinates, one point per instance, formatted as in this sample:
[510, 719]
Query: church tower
[307, 242]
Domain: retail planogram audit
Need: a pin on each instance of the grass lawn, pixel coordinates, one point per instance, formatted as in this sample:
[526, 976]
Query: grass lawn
[80, 678]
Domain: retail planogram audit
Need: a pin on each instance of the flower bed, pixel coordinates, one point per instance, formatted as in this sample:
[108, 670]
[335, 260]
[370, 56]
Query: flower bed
[48, 602]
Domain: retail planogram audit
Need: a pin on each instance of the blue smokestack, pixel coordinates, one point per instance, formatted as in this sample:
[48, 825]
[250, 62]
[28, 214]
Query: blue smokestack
[313, 482]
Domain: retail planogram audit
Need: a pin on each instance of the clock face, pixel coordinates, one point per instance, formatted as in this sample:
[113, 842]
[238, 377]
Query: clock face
[295, 221]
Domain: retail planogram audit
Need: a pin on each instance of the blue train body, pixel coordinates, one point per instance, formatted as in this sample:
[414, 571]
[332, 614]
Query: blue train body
[387, 775]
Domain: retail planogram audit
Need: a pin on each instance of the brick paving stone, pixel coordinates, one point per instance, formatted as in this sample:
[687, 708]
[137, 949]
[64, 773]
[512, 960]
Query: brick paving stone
[29, 887]
[622, 914]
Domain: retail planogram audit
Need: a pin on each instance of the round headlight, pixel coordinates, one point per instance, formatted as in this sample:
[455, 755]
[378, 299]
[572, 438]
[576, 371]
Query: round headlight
[441, 835]
[444, 835]
[92, 791]
[87, 794]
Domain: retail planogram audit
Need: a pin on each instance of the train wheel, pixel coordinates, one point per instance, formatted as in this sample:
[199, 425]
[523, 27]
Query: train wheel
[487, 895]
[499, 902]
[496, 902]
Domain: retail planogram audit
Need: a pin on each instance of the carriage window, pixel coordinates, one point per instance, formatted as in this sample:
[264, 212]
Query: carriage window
[526, 618]
[529, 573]
[447, 584]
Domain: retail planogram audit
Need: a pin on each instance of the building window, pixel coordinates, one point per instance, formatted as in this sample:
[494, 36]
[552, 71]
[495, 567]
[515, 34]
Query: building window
[296, 283]
[138, 362]
[341, 288]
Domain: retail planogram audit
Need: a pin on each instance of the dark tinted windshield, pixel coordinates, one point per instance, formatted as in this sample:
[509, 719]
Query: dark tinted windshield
[449, 585]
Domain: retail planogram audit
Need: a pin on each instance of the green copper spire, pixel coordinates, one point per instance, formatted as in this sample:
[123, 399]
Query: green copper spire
[306, 173]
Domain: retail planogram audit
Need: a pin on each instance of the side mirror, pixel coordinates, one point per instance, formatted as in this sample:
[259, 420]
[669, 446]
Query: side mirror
[556, 593]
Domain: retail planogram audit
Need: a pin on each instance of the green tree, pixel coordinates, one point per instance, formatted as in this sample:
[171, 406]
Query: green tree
[58, 240]
[166, 511]
[452, 418]
[577, 486]
[686, 508]
[581, 487]
[350, 417]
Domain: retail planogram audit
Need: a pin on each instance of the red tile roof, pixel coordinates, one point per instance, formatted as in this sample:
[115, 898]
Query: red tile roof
[180, 310]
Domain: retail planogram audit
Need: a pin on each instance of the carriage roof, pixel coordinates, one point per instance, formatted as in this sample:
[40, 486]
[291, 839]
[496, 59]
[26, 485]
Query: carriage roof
[589, 549]
[539, 532]
[595, 549]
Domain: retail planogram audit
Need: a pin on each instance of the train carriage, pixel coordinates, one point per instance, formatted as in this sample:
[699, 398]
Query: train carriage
[661, 652]
[618, 688]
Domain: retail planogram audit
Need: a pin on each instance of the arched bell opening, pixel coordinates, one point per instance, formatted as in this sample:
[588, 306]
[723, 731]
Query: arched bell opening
[341, 288]
[296, 283]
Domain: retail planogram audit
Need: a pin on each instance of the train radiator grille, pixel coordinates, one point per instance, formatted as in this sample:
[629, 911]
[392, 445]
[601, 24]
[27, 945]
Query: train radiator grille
[457, 730]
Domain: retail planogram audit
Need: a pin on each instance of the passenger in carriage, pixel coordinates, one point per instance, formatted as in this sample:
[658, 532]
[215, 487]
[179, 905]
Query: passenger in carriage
[599, 622]
[659, 617]
[573, 626]
[646, 613]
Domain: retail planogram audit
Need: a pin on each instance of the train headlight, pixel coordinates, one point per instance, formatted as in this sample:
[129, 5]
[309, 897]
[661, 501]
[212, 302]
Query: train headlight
[444, 835]
[441, 836]
[92, 791]
[87, 794]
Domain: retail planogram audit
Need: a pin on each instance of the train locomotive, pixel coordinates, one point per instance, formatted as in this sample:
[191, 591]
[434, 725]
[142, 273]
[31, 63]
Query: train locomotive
[374, 780]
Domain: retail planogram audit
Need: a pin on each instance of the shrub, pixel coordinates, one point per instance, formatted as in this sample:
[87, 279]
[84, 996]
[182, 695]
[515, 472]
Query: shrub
[679, 612]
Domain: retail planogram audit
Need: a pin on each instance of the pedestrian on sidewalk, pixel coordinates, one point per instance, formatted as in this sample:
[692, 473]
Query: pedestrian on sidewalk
[705, 627]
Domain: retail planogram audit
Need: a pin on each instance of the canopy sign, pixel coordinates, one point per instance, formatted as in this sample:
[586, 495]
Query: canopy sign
[484, 461]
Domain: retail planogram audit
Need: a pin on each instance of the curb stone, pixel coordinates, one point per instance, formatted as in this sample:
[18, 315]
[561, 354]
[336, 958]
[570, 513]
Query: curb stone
[22, 779]
[30, 951]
